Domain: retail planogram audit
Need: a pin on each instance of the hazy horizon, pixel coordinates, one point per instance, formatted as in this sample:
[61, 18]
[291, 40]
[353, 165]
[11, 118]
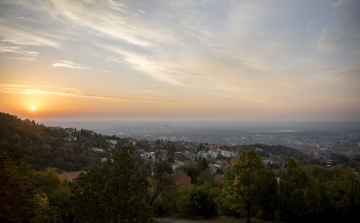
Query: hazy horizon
[162, 60]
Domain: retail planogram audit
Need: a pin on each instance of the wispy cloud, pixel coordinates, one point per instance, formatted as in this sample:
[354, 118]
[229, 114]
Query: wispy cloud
[30, 89]
[20, 37]
[16, 49]
[326, 41]
[69, 64]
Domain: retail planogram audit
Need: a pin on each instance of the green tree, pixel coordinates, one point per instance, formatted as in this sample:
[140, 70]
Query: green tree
[344, 196]
[19, 199]
[16, 194]
[47, 181]
[206, 176]
[113, 192]
[293, 205]
[61, 200]
[193, 200]
[239, 193]
[162, 182]
[192, 173]
[267, 195]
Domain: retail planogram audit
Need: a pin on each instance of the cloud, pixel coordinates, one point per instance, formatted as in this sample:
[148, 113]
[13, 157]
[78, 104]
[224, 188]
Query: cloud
[104, 21]
[327, 41]
[17, 49]
[337, 4]
[69, 64]
[21, 37]
[29, 89]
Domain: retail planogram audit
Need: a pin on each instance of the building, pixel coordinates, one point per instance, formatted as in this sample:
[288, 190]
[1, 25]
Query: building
[71, 138]
[176, 164]
[226, 153]
[181, 179]
[73, 176]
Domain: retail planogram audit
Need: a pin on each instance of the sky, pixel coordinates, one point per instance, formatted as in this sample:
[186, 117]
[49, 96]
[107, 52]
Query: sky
[269, 60]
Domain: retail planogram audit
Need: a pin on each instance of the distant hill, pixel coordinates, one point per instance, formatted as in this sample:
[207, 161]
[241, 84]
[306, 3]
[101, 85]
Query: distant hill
[277, 150]
[43, 146]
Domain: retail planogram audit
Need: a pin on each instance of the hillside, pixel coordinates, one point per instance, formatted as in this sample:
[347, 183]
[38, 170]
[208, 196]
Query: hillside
[44, 146]
[277, 150]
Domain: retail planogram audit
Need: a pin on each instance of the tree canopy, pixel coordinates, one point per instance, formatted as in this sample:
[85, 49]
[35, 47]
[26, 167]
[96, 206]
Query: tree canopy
[115, 191]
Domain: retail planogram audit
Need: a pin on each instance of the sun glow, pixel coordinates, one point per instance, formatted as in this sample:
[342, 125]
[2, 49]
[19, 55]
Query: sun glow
[32, 107]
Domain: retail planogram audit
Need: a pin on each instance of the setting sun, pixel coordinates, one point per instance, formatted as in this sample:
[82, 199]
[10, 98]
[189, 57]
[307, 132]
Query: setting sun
[32, 107]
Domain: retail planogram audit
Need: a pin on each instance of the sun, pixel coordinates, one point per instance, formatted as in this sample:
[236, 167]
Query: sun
[32, 107]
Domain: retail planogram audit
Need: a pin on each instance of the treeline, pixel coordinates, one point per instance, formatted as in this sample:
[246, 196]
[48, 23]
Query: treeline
[300, 193]
[122, 190]
[43, 146]
[277, 150]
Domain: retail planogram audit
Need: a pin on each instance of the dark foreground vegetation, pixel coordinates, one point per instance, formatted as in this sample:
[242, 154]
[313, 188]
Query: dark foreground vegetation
[123, 189]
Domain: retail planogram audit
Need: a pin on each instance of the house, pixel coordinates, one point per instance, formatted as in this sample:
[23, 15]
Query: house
[176, 164]
[73, 176]
[212, 168]
[103, 160]
[213, 154]
[111, 144]
[225, 153]
[90, 132]
[150, 155]
[97, 149]
[70, 130]
[181, 179]
[70, 138]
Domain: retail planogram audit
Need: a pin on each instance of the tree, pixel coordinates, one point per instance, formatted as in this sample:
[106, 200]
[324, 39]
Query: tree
[162, 182]
[267, 195]
[292, 193]
[19, 200]
[204, 164]
[47, 181]
[241, 181]
[193, 174]
[61, 200]
[192, 200]
[206, 176]
[16, 194]
[113, 192]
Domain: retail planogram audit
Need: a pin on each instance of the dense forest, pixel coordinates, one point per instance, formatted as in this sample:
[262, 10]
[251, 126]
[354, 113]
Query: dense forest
[123, 189]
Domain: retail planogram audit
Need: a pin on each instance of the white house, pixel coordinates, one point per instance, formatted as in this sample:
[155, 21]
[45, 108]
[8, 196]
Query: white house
[70, 138]
[225, 153]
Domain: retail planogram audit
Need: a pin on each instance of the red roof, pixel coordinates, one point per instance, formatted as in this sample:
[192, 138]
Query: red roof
[182, 179]
[178, 163]
[71, 176]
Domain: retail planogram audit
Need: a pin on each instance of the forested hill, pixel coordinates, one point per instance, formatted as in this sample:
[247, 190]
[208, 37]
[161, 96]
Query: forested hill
[277, 150]
[45, 146]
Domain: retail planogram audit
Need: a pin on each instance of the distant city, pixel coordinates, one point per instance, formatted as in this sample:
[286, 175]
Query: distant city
[317, 139]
